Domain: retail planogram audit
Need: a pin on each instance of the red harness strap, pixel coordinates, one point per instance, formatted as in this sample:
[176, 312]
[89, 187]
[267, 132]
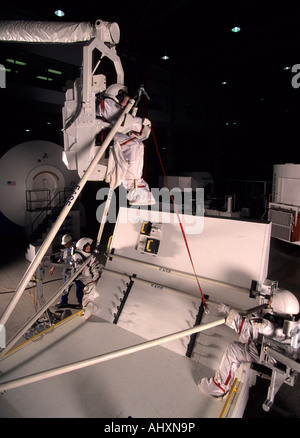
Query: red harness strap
[131, 138]
[241, 326]
[103, 132]
[125, 142]
[218, 385]
[180, 223]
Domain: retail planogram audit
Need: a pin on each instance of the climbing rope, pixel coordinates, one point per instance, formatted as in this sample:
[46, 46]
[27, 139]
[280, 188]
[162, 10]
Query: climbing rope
[179, 220]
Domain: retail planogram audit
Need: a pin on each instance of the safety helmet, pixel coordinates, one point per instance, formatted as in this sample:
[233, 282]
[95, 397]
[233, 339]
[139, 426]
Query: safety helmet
[66, 238]
[116, 92]
[82, 244]
[284, 302]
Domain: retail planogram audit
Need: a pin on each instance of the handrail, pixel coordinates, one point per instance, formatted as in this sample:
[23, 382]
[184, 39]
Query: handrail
[164, 288]
[233, 389]
[15, 383]
[179, 273]
[29, 201]
[51, 207]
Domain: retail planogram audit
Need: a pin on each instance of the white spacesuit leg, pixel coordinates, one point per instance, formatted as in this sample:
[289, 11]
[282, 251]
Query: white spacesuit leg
[116, 167]
[125, 165]
[88, 301]
[138, 190]
[236, 352]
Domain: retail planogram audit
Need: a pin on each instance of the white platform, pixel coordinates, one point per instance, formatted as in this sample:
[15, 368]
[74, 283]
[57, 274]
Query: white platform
[160, 382]
[156, 383]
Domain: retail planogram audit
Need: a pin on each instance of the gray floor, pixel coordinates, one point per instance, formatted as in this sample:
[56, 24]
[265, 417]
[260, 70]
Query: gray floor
[284, 267]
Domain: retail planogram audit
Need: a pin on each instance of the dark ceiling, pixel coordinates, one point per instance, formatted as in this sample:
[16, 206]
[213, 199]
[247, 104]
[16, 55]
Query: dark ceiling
[196, 34]
[256, 63]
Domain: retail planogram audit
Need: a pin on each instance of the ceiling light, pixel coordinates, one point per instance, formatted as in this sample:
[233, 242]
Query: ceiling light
[44, 78]
[14, 61]
[235, 29]
[56, 72]
[165, 56]
[59, 13]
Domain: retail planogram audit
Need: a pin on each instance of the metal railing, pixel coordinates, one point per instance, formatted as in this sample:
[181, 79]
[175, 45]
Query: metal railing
[39, 201]
[52, 207]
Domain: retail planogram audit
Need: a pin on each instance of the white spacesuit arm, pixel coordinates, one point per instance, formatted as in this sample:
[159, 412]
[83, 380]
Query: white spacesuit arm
[144, 128]
[78, 260]
[109, 109]
[263, 327]
[248, 329]
[237, 322]
[96, 269]
[137, 124]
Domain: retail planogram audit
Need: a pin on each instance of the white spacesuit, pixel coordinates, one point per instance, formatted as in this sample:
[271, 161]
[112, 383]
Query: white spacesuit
[126, 159]
[250, 331]
[89, 276]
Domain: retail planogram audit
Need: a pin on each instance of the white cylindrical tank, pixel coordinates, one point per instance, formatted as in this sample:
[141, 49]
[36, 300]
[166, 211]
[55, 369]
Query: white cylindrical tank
[34, 166]
[286, 184]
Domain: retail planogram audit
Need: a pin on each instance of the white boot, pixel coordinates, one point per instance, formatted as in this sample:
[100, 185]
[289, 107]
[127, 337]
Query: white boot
[88, 310]
[211, 387]
[140, 193]
[88, 301]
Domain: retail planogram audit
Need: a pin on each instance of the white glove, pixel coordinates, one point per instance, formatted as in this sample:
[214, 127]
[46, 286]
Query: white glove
[146, 122]
[146, 131]
[96, 269]
[224, 309]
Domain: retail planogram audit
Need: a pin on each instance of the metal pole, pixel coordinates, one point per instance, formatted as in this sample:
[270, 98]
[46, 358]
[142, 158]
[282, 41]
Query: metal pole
[57, 224]
[21, 332]
[105, 212]
[180, 273]
[157, 286]
[255, 309]
[163, 288]
[105, 357]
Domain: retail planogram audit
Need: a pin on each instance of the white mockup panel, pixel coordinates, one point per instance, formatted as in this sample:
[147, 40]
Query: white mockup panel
[230, 251]
[225, 250]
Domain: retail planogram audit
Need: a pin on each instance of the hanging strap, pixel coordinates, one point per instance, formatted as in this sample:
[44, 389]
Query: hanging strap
[131, 138]
[180, 223]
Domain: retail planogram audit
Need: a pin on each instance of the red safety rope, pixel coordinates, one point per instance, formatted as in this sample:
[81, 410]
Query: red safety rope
[180, 223]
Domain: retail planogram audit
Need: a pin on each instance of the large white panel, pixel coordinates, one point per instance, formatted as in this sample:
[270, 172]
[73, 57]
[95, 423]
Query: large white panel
[231, 251]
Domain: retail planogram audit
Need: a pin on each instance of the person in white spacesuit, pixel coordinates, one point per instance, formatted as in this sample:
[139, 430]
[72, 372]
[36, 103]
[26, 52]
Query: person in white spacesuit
[126, 159]
[250, 330]
[66, 257]
[89, 276]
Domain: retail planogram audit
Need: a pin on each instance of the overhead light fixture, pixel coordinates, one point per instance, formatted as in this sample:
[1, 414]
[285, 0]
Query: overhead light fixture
[165, 56]
[44, 78]
[59, 13]
[56, 72]
[14, 61]
[235, 29]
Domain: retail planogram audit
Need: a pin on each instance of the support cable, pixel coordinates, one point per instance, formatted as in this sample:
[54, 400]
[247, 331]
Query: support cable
[180, 223]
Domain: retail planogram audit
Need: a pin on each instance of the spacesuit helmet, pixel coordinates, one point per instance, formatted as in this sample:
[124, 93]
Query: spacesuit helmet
[66, 238]
[83, 243]
[284, 302]
[116, 92]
